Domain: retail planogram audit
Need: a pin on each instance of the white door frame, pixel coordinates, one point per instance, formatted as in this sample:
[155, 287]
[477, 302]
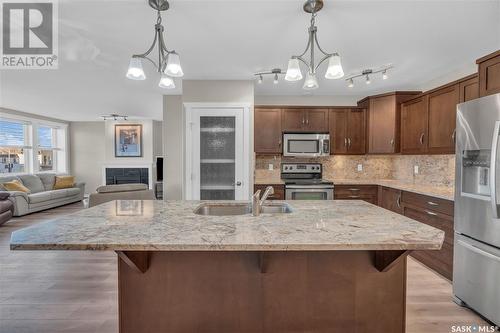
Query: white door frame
[191, 109]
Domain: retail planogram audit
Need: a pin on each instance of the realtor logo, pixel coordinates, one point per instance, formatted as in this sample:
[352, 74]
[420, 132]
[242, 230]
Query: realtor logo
[29, 34]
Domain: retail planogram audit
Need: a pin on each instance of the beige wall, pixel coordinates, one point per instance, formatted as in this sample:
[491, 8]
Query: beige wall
[195, 91]
[88, 152]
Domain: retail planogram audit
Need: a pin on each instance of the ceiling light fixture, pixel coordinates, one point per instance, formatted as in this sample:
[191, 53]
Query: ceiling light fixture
[366, 74]
[114, 116]
[275, 72]
[276, 81]
[260, 79]
[334, 70]
[168, 60]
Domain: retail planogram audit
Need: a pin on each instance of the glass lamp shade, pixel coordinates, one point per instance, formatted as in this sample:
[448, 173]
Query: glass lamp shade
[166, 82]
[334, 70]
[310, 82]
[174, 68]
[135, 71]
[293, 72]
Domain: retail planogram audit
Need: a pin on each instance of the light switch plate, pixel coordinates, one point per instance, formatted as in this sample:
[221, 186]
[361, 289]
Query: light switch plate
[270, 166]
[415, 169]
[360, 167]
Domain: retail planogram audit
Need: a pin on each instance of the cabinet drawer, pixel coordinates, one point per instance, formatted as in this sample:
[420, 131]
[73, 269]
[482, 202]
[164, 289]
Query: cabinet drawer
[441, 261]
[279, 191]
[436, 221]
[426, 202]
[355, 190]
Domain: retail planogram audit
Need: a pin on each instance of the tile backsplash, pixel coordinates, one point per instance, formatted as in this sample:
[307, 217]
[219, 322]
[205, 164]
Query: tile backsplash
[438, 170]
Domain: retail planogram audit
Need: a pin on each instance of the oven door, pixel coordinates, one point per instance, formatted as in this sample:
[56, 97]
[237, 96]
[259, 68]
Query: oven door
[307, 192]
[305, 145]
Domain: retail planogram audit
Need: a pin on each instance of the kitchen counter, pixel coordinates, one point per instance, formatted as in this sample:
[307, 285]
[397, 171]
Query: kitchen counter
[172, 226]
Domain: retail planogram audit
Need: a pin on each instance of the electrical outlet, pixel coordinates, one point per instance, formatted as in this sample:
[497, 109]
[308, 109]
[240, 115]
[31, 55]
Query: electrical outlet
[415, 169]
[270, 166]
[360, 167]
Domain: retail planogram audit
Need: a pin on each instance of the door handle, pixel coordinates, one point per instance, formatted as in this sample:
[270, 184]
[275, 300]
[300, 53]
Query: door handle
[422, 138]
[493, 169]
[238, 183]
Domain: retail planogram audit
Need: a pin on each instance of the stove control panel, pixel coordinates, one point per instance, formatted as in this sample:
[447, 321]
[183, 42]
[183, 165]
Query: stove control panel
[301, 168]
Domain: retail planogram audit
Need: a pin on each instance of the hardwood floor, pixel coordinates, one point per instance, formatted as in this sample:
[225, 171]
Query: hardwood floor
[76, 291]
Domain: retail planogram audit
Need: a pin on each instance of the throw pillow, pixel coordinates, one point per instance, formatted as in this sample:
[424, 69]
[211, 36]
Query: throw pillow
[15, 185]
[64, 182]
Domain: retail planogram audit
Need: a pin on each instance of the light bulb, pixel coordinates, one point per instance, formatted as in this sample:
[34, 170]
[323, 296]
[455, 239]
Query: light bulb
[384, 75]
[368, 80]
[310, 82]
[174, 68]
[259, 81]
[135, 71]
[166, 82]
[351, 83]
[293, 72]
[276, 81]
[334, 70]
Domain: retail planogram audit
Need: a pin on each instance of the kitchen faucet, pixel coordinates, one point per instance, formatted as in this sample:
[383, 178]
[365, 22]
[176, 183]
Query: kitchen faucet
[256, 203]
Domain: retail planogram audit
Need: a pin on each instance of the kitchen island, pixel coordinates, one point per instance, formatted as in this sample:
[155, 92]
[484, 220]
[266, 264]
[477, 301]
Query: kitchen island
[328, 266]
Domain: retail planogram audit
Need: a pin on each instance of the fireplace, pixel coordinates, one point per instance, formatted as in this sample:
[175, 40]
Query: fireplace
[127, 175]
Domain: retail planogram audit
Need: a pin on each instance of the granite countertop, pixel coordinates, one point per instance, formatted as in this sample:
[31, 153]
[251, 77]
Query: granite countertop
[172, 226]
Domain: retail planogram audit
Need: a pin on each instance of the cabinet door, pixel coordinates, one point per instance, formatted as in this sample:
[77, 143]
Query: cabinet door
[382, 125]
[442, 119]
[338, 131]
[317, 120]
[469, 89]
[356, 131]
[414, 126]
[489, 76]
[267, 131]
[294, 120]
[390, 199]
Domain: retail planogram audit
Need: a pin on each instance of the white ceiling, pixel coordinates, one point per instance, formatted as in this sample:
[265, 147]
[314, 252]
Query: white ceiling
[232, 39]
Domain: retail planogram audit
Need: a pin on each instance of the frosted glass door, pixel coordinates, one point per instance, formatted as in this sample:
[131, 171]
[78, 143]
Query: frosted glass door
[217, 154]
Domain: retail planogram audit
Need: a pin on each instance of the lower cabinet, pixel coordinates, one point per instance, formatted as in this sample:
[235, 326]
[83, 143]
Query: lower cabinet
[390, 198]
[279, 191]
[367, 193]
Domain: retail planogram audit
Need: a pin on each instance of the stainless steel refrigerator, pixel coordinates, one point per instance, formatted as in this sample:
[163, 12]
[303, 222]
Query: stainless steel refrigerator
[476, 271]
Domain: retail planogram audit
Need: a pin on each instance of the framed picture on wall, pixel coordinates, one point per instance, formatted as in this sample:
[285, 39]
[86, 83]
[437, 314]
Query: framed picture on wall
[128, 140]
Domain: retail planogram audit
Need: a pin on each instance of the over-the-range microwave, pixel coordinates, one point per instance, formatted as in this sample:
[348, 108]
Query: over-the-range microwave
[306, 144]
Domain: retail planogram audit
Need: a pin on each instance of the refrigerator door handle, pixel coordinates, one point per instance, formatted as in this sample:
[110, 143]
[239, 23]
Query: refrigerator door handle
[493, 169]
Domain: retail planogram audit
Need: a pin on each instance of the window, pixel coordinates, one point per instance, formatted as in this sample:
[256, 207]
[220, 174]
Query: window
[46, 147]
[14, 148]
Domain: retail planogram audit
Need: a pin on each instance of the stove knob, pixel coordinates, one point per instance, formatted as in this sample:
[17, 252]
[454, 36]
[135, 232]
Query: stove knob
[286, 168]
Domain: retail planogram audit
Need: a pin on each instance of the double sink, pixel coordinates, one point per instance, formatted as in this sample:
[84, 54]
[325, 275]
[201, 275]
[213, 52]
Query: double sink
[244, 208]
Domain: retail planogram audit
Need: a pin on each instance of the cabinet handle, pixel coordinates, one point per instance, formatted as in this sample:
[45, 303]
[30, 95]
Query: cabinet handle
[422, 138]
[354, 189]
[398, 201]
[307, 119]
[453, 136]
[349, 142]
[279, 143]
[431, 213]
[392, 142]
[345, 142]
[432, 203]
[303, 120]
[354, 196]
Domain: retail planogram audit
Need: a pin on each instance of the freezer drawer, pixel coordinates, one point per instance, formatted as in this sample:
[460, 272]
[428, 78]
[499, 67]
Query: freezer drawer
[476, 276]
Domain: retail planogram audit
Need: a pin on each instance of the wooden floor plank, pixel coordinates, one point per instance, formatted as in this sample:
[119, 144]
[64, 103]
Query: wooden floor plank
[76, 291]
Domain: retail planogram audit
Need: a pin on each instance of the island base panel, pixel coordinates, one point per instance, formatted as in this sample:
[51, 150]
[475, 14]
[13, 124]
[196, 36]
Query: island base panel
[331, 291]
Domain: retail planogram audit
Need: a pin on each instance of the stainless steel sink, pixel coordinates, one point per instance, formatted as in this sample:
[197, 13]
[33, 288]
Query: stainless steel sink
[227, 209]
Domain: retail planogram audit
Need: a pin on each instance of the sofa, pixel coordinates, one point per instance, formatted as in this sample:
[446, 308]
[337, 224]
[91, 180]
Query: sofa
[120, 192]
[42, 194]
[6, 207]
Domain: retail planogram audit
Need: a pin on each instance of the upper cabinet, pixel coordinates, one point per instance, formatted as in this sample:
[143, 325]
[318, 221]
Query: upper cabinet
[469, 88]
[442, 118]
[347, 131]
[267, 129]
[414, 119]
[384, 121]
[489, 74]
[305, 120]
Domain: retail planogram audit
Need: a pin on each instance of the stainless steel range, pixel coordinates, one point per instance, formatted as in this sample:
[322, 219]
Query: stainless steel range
[304, 181]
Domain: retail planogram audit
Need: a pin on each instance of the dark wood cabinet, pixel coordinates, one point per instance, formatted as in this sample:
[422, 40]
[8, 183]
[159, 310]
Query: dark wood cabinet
[267, 129]
[437, 213]
[390, 198]
[469, 88]
[279, 191]
[367, 193]
[347, 131]
[384, 121]
[489, 74]
[305, 120]
[442, 111]
[414, 126]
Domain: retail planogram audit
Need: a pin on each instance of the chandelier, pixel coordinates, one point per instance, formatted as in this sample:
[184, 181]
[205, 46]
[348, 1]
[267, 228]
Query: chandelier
[168, 65]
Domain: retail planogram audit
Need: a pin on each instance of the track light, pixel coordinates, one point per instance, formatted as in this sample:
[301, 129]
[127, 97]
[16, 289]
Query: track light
[384, 75]
[276, 81]
[368, 79]
[351, 83]
[260, 79]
